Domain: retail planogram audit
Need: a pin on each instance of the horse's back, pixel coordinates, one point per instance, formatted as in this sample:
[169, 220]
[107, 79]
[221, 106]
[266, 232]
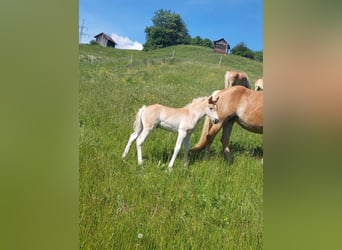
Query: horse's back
[233, 92]
[157, 115]
[151, 115]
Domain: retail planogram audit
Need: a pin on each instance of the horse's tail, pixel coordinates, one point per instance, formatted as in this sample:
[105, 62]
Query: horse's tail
[138, 125]
[203, 140]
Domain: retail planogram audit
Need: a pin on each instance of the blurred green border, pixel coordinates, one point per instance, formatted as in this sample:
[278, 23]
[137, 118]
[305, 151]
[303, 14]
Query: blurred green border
[302, 140]
[39, 129]
[39, 124]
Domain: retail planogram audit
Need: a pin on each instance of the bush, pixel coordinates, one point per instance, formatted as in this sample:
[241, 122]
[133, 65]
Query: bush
[93, 42]
[259, 56]
[197, 40]
[242, 50]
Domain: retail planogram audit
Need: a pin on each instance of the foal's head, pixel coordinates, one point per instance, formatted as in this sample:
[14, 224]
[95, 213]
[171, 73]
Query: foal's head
[211, 110]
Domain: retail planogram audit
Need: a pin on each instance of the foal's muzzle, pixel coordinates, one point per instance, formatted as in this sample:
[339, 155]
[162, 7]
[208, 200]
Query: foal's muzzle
[215, 120]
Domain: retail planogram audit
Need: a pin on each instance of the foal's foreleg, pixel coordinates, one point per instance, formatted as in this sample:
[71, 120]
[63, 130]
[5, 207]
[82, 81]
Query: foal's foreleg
[180, 138]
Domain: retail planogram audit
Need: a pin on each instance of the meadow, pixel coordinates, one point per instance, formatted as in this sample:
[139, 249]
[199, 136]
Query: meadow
[211, 204]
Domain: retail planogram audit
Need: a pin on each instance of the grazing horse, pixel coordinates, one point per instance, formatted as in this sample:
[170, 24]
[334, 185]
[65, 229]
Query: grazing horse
[232, 78]
[259, 85]
[236, 104]
[182, 120]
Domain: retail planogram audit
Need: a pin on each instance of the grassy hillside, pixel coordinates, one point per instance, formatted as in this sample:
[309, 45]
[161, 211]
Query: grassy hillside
[210, 204]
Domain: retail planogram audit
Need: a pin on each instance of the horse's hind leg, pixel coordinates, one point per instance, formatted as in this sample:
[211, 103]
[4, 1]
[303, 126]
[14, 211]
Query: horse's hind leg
[226, 131]
[186, 149]
[140, 140]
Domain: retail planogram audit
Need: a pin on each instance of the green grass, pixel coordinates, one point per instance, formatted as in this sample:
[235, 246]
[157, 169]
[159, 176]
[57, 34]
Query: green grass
[211, 204]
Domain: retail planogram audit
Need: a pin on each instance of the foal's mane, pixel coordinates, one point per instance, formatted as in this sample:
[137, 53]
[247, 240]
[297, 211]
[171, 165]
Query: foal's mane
[196, 101]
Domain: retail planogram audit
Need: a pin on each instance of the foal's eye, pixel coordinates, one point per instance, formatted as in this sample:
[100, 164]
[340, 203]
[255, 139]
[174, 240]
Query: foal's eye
[210, 109]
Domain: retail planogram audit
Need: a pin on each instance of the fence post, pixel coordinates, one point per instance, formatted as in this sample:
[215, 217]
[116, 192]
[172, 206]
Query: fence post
[173, 54]
[220, 61]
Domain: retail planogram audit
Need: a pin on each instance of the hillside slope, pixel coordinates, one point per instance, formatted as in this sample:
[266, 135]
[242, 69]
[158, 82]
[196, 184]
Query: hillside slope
[192, 62]
[211, 204]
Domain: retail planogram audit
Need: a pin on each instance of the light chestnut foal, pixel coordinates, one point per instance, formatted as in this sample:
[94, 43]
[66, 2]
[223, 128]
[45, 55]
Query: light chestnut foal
[182, 120]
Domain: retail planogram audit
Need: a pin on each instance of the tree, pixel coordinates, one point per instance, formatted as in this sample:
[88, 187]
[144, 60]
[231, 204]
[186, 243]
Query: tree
[197, 40]
[167, 29]
[259, 56]
[207, 43]
[93, 42]
[241, 50]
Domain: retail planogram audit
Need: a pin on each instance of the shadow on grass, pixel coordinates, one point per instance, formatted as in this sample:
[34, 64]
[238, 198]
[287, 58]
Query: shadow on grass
[235, 149]
[194, 156]
[255, 151]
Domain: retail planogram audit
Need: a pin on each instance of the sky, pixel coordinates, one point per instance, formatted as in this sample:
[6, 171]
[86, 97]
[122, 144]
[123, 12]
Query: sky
[125, 20]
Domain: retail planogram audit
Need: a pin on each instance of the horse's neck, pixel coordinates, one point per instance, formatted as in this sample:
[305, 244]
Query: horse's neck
[198, 110]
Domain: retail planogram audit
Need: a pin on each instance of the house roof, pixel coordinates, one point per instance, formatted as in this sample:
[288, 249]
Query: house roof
[221, 40]
[105, 36]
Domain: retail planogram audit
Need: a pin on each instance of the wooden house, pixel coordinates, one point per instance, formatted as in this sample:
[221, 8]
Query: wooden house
[105, 40]
[221, 46]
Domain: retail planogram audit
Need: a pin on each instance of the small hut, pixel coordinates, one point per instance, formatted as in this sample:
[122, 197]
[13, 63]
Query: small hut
[221, 46]
[105, 40]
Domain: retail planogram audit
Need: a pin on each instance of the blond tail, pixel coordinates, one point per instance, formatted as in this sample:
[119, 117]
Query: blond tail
[203, 140]
[138, 126]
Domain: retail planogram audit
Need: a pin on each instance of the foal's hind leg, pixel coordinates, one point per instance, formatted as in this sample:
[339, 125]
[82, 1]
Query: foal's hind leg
[140, 141]
[226, 131]
[131, 139]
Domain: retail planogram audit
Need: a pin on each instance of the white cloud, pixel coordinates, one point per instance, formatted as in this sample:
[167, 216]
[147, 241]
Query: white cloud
[123, 42]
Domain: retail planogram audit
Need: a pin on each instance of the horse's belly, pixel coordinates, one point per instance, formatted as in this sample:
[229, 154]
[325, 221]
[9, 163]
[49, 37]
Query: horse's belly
[253, 127]
[168, 126]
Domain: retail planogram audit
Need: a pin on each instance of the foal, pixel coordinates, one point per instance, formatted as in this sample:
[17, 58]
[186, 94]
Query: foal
[181, 120]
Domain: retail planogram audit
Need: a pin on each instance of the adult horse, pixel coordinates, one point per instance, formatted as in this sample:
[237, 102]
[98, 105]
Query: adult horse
[236, 104]
[182, 120]
[233, 78]
[259, 85]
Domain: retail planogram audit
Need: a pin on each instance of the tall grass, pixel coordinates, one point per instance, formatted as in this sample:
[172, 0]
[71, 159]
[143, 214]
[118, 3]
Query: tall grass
[211, 204]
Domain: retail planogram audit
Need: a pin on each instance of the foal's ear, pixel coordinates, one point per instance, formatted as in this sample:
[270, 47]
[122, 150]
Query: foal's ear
[211, 101]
